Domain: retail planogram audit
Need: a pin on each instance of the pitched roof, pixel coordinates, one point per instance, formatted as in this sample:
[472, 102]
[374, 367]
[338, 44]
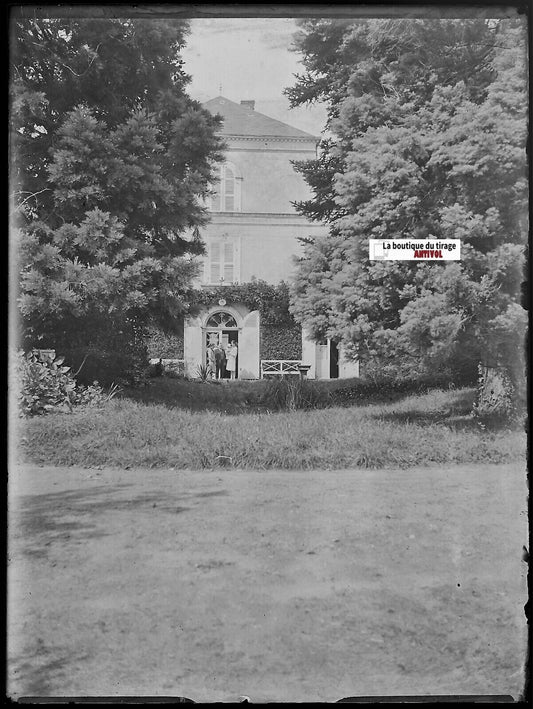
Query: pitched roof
[244, 120]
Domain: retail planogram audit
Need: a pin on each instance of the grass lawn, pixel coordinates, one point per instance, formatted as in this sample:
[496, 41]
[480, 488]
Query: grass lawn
[434, 428]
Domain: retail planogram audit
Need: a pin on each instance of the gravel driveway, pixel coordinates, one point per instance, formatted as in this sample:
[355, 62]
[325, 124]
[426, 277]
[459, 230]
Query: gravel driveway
[304, 586]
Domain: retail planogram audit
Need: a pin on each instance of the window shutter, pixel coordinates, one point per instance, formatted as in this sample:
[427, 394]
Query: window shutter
[229, 190]
[228, 262]
[215, 262]
[216, 196]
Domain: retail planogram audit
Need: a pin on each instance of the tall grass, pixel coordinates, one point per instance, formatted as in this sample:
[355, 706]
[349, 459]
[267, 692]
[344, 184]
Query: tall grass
[429, 429]
[293, 393]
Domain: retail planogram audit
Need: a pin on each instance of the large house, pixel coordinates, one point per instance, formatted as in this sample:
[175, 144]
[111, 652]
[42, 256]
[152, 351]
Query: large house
[253, 235]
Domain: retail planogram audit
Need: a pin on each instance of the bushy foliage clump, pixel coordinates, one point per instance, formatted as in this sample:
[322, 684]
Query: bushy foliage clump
[387, 388]
[44, 384]
[107, 364]
[105, 349]
[164, 344]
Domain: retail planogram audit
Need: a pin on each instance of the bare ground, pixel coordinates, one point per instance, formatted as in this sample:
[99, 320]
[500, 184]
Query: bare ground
[304, 586]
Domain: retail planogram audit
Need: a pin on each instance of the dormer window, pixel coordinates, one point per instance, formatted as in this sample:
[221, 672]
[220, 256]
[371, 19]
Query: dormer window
[226, 196]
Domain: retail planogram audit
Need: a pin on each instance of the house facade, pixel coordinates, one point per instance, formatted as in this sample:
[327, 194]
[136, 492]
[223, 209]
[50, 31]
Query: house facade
[253, 235]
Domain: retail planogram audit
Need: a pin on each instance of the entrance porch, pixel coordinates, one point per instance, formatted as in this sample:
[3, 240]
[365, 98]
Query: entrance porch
[222, 325]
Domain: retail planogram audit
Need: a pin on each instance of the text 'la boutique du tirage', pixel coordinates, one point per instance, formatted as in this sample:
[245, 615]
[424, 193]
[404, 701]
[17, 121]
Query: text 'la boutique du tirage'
[407, 250]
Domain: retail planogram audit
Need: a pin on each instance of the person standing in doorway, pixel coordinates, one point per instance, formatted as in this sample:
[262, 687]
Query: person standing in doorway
[211, 361]
[220, 361]
[231, 354]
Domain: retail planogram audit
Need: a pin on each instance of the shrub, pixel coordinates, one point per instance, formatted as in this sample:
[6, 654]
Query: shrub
[289, 394]
[203, 372]
[174, 374]
[171, 368]
[387, 388]
[107, 364]
[99, 349]
[93, 395]
[44, 384]
[460, 375]
[155, 370]
[495, 403]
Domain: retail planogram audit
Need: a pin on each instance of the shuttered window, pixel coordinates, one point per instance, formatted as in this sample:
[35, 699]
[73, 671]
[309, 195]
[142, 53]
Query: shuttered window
[222, 266]
[214, 262]
[226, 192]
[229, 189]
[229, 258]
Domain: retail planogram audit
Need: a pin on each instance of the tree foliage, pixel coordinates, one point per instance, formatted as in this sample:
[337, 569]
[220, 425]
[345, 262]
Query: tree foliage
[110, 161]
[427, 132]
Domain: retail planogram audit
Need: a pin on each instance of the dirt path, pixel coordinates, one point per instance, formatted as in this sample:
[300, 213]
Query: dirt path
[281, 585]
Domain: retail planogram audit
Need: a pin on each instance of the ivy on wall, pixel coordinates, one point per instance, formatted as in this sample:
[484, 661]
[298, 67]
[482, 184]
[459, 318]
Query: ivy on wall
[272, 301]
[167, 346]
[281, 342]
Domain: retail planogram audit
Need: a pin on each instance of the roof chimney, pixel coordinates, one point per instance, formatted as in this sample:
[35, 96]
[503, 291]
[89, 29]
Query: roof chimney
[248, 104]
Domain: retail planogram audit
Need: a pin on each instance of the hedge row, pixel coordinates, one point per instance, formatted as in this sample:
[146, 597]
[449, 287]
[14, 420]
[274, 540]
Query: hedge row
[387, 389]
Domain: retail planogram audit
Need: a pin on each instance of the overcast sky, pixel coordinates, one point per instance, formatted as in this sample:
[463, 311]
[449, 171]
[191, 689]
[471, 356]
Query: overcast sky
[248, 58]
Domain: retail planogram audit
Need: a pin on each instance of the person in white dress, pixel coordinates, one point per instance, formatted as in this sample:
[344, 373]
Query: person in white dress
[231, 359]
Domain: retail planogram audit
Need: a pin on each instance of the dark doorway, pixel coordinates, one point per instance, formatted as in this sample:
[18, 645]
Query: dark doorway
[222, 337]
[229, 336]
[333, 360]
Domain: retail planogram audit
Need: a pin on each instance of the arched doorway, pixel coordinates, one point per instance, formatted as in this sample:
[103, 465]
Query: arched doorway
[221, 328]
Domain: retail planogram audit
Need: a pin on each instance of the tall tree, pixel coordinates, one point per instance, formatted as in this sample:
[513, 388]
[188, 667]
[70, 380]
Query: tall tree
[427, 139]
[110, 161]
